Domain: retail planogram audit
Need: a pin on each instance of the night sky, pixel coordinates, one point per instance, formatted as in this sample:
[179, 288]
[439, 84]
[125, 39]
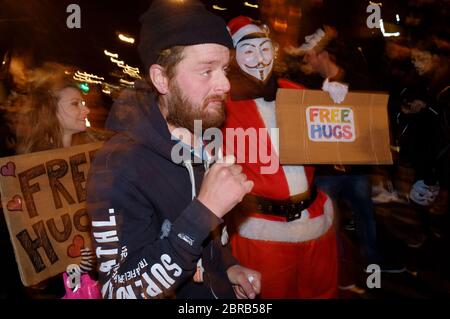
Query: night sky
[40, 25]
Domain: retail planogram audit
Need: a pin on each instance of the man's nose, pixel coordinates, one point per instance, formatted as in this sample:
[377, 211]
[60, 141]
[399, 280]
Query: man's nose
[222, 84]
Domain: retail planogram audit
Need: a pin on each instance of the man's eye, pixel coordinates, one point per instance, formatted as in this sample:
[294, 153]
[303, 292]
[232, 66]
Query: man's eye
[206, 72]
[226, 70]
[248, 52]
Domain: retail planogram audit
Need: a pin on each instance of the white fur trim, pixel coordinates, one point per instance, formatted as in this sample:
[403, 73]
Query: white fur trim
[300, 230]
[295, 175]
[267, 112]
[242, 32]
[296, 179]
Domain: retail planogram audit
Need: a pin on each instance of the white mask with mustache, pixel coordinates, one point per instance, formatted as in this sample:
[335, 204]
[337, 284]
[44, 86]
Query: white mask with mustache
[255, 57]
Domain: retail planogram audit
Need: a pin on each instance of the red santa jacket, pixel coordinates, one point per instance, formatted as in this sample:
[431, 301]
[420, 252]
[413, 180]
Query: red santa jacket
[248, 114]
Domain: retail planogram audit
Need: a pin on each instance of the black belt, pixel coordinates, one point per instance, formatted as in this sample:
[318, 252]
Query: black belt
[288, 208]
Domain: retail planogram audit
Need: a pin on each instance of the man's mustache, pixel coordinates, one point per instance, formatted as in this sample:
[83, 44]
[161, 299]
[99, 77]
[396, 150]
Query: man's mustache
[215, 98]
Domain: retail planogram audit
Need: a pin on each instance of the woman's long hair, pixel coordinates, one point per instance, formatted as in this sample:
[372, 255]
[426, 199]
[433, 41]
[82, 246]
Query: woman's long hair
[38, 127]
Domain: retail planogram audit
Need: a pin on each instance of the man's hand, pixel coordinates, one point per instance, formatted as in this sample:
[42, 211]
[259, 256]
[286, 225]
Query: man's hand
[224, 186]
[246, 282]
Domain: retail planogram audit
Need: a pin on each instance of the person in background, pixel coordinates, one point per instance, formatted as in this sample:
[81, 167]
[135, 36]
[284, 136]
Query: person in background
[427, 106]
[14, 71]
[47, 115]
[325, 54]
[52, 111]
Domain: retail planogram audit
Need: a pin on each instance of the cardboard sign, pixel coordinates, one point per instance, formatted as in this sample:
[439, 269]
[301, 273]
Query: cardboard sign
[315, 130]
[44, 202]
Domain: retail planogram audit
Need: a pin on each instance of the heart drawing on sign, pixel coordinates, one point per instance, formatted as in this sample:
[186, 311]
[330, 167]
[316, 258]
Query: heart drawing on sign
[9, 169]
[15, 204]
[74, 250]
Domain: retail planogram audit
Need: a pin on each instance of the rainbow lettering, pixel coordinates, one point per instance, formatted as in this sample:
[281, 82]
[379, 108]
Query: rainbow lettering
[330, 124]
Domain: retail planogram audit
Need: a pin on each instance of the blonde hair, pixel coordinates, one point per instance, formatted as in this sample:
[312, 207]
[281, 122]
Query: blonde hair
[37, 126]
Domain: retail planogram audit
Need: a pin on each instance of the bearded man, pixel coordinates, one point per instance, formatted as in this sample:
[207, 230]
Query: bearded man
[156, 222]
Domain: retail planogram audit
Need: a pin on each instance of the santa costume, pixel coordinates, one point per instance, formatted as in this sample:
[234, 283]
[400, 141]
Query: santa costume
[284, 228]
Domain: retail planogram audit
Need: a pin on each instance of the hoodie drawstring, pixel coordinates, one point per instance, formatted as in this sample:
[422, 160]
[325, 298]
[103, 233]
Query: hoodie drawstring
[190, 169]
[188, 164]
[198, 276]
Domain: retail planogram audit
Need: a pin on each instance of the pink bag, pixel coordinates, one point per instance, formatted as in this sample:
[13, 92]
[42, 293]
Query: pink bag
[88, 289]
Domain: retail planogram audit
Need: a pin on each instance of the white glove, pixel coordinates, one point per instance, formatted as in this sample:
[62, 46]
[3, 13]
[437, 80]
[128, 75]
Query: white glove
[423, 194]
[338, 91]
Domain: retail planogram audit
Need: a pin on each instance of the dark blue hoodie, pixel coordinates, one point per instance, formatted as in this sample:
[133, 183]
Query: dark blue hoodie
[148, 231]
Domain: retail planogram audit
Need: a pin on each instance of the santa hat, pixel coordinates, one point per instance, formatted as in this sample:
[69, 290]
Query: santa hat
[242, 26]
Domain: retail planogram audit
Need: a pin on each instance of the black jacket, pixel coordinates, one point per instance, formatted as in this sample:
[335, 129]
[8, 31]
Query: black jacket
[147, 231]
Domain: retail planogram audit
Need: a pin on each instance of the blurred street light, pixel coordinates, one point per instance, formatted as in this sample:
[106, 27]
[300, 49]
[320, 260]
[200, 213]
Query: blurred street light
[216, 7]
[126, 82]
[255, 6]
[110, 54]
[84, 87]
[119, 63]
[125, 38]
[87, 78]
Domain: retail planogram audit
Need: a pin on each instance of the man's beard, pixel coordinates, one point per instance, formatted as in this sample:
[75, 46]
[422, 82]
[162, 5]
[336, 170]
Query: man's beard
[183, 113]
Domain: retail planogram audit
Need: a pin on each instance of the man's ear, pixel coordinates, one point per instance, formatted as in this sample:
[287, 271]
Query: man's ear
[159, 78]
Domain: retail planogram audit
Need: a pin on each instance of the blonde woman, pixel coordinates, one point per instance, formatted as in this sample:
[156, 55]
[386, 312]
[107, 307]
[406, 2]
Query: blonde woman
[52, 111]
[48, 116]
